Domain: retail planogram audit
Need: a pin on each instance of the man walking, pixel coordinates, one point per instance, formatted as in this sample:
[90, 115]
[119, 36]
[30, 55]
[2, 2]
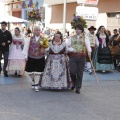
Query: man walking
[93, 43]
[36, 58]
[5, 41]
[77, 45]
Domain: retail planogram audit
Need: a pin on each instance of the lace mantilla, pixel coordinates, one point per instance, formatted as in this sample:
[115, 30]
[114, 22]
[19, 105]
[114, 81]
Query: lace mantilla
[57, 48]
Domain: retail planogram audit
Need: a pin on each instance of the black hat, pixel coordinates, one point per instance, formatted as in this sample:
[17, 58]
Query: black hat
[92, 28]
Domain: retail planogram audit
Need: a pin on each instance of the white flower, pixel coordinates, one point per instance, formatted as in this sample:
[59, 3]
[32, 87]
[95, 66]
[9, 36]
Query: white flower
[41, 42]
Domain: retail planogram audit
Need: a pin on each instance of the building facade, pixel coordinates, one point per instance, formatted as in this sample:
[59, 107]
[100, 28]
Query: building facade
[20, 8]
[14, 9]
[108, 16]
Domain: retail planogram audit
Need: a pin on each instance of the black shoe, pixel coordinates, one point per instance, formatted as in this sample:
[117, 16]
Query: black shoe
[5, 74]
[90, 72]
[15, 73]
[33, 80]
[78, 91]
[73, 87]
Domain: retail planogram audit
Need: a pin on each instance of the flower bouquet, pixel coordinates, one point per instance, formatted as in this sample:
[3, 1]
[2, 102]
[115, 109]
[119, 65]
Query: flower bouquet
[34, 15]
[43, 44]
[78, 20]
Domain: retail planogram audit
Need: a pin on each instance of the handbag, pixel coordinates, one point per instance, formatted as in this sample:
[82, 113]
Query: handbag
[115, 50]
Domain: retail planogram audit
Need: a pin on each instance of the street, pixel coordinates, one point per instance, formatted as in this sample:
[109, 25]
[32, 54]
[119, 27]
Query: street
[57, 37]
[97, 101]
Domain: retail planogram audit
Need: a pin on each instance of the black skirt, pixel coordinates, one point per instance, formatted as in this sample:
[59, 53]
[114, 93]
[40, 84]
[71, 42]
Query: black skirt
[104, 55]
[35, 65]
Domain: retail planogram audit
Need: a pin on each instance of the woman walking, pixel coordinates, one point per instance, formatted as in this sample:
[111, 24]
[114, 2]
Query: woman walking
[102, 59]
[56, 73]
[16, 58]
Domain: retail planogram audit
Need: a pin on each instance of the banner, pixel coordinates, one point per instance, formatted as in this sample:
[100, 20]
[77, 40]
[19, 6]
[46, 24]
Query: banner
[32, 4]
[93, 2]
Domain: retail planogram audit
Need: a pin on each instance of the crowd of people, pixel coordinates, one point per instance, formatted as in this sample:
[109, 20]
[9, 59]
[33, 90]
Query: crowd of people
[61, 65]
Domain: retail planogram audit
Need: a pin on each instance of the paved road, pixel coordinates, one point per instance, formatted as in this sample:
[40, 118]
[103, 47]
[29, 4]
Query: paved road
[97, 101]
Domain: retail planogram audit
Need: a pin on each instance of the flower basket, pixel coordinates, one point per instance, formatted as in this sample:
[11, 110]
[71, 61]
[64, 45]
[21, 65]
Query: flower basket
[78, 20]
[34, 15]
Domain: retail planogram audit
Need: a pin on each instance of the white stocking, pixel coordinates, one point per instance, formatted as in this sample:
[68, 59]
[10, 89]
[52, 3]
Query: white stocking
[88, 66]
[32, 76]
[37, 79]
[20, 72]
[40, 79]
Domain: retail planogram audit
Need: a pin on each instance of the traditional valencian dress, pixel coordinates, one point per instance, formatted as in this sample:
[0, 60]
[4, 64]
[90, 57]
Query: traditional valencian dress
[16, 57]
[102, 58]
[56, 73]
[36, 60]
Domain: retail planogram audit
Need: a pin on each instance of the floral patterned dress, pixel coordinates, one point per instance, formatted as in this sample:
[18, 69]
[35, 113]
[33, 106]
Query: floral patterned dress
[56, 72]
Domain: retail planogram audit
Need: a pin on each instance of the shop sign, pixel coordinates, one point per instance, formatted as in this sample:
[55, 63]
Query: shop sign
[88, 13]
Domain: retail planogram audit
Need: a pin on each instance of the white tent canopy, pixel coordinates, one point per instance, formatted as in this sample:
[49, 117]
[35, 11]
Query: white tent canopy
[12, 19]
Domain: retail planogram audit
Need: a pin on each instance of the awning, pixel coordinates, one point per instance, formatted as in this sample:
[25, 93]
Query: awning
[12, 19]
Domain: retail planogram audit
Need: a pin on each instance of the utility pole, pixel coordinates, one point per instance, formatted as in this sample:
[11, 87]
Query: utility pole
[64, 17]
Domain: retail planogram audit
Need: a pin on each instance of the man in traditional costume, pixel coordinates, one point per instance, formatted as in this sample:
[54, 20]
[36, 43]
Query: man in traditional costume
[93, 43]
[77, 46]
[5, 41]
[115, 46]
[36, 58]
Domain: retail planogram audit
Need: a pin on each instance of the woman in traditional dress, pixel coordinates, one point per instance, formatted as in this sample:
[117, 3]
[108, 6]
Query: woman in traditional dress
[16, 58]
[102, 58]
[56, 72]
